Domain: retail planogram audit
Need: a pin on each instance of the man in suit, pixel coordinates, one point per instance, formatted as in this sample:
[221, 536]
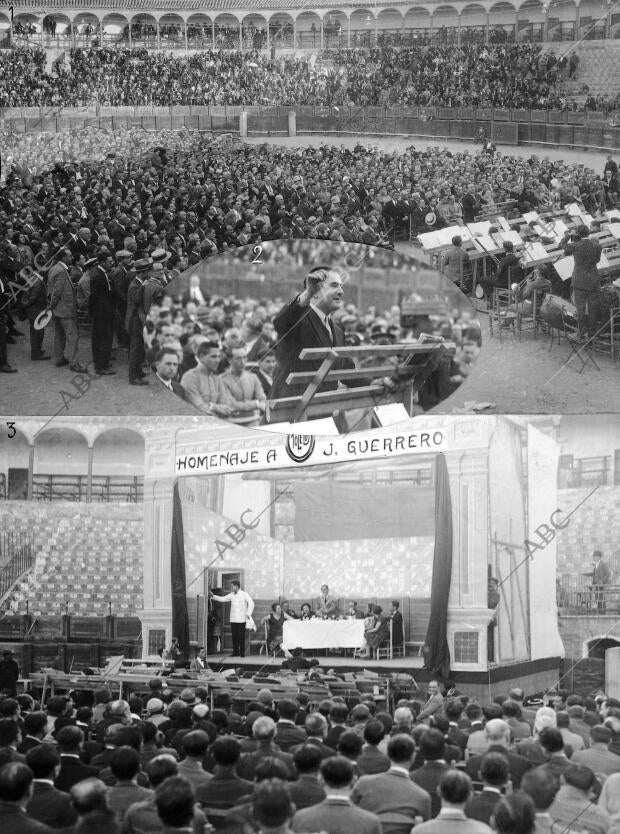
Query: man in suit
[167, 371]
[600, 578]
[598, 758]
[306, 790]
[101, 306]
[48, 805]
[428, 777]
[35, 730]
[393, 792]
[498, 737]
[72, 770]
[434, 702]
[586, 282]
[338, 714]
[455, 789]
[63, 304]
[371, 760]
[288, 734]
[511, 712]
[225, 788]
[263, 731]
[143, 816]
[316, 730]
[494, 774]
[455, 735]
[336, 813]
[325, 605]
[16, 789]
[542, 788]
[125, 766]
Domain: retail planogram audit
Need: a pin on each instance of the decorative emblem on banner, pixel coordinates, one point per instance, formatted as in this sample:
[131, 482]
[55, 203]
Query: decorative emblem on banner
[299, 447]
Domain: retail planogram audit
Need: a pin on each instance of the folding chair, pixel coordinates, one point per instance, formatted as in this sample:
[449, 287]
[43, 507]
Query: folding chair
[503, 312]
[581, 349]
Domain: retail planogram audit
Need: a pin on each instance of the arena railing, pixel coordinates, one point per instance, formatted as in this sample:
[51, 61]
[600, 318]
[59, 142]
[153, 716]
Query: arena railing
[587, 130]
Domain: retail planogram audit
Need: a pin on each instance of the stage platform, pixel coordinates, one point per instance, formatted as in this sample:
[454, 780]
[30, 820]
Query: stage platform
[259, 663]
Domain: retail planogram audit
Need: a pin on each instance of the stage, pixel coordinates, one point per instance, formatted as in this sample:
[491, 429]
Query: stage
[259, 663]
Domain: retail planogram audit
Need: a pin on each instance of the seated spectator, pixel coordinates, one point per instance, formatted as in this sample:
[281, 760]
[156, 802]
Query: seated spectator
[306, 789]
[498, 737]
[393, 792]
[203, 387]
[428, 776]
[125, 766]
[288, 734]
[371, 760]
[263, 731]
[143, 816]
[174, 800]
[519, 729]
[495, 775]
[336, 813]
[541, 786]
[195, 744]
[455, 790]
[246, 394]
[16, 788]
[72, 769]
[90, 801]
[515, 814]
[48, 805]
[573, 802]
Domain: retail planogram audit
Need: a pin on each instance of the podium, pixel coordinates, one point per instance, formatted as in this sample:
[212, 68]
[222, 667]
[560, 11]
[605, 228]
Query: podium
[415, 362]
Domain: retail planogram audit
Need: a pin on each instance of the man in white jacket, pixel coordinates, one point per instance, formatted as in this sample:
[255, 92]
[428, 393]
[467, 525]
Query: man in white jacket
[241, 608]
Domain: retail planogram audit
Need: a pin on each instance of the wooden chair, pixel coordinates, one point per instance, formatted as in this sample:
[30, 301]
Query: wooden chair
[581, 349]
[503, 313]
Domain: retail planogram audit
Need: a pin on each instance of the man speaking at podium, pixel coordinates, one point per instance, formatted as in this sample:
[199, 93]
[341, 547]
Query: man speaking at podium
[306, 322]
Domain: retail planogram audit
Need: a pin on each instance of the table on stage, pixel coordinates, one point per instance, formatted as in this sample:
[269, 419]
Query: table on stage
[323, 634]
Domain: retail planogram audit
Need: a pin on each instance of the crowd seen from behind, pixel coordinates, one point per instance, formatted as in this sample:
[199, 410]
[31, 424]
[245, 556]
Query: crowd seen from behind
[348, 761]
[473, 75]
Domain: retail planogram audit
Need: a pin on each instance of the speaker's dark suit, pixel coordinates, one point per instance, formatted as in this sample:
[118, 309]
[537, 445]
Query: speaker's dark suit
[298, 328]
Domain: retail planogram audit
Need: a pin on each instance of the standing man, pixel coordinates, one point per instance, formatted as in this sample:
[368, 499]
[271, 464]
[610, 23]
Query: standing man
[586, 281]
[63, 304]
[135, 319]
[9, 674]
[101, 308]
[241, 608]
[600, 578]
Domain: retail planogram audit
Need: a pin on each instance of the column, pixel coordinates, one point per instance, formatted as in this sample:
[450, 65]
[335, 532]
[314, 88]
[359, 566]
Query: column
[458, 31]
[89, 480]
[30, 470]
[186, 39]
[129, 33]
[349, 32]
[213, 34]
[321, 33]
[546, 23]
[240, 36]
[294, 33]
[488, 29]
[577, 20]
[158, 36]
[516, 26]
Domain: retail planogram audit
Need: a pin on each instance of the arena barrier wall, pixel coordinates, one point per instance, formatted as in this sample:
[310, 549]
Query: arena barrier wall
[553, 128]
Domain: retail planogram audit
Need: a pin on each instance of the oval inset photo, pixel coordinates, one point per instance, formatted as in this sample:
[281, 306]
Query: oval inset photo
[342, 335]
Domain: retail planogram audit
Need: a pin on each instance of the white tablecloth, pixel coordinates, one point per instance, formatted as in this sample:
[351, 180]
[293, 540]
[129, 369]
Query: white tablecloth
[323, 634]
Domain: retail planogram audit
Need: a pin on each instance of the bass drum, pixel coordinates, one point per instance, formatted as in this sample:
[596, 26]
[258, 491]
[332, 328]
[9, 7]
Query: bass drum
[554, 310]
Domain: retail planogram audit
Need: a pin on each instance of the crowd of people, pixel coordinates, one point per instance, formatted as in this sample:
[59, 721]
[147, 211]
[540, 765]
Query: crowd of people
[473, 75]
[193, 761]
[124, 208]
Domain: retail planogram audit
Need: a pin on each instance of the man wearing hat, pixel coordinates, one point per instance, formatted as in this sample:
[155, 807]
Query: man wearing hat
[9, 674]
[121, 277]
[101, 309]
[63, 304]
[156, 709]
[134, 321]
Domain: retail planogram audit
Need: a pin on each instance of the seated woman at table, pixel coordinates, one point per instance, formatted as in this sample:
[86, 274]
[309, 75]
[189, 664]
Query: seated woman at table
[275, 623]
[288, 612]
[306, 612]
[374, 636]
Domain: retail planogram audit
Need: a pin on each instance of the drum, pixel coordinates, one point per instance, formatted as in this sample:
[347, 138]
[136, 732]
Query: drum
[554, 310]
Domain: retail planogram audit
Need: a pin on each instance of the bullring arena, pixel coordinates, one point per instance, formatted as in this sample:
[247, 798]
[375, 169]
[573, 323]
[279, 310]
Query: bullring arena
[141, 145]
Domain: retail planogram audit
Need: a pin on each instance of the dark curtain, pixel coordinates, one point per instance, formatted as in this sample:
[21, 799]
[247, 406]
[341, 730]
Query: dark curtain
[180, 618]
[436, 652]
